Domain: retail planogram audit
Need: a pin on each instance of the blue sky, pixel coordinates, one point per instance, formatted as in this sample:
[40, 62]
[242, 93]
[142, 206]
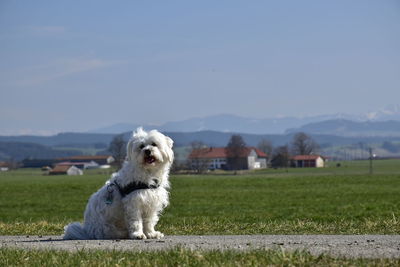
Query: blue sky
[79, 65]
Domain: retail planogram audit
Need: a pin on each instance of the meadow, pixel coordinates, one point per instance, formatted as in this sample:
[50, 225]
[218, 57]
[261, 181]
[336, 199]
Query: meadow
[332, 200]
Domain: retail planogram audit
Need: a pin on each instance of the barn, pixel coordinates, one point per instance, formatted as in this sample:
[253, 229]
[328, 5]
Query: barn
[308, 161]
[65, 170]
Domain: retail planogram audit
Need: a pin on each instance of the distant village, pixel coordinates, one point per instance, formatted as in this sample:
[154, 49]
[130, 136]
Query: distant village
[74, 165]
[199, 158]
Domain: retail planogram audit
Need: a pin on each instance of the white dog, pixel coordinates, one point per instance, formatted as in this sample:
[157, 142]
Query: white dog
[129, 204]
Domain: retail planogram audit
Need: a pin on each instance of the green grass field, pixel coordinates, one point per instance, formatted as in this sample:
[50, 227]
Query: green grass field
[180, 257]
[333, 200]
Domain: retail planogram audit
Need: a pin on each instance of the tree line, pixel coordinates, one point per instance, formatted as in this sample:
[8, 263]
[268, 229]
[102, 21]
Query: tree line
[301, 144]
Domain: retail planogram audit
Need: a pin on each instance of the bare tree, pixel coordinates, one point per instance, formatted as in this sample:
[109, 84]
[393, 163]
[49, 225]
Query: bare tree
[197, 160]
[266, 146]
[177, 165]
[280, 157]
[117, 148]
[303, 144]
[235, 150]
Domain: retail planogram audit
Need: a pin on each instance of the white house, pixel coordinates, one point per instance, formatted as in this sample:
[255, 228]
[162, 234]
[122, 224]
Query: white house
[216, 158]
[4, 166]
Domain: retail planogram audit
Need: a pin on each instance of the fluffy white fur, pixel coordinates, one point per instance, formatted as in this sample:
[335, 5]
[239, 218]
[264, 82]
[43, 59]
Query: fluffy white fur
[149, 158]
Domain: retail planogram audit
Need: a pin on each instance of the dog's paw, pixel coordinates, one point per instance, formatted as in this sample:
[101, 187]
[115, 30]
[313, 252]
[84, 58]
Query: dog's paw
[155, 235]
[138, 235]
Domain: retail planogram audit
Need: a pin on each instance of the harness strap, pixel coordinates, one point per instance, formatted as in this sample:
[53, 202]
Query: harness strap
[129, 188]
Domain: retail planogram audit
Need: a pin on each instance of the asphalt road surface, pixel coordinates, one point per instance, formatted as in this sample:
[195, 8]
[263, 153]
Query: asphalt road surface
[352, 246]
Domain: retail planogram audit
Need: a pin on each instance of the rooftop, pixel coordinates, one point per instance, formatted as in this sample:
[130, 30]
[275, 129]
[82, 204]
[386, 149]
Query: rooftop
[307, 157]
[220, 152]
[60, 168]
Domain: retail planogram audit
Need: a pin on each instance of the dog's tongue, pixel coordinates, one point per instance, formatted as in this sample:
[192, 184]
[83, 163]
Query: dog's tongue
[149, 159]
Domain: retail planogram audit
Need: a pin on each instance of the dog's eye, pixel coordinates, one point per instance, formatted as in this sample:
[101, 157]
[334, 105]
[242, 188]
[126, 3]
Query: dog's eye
[154, 144]
[141, 146]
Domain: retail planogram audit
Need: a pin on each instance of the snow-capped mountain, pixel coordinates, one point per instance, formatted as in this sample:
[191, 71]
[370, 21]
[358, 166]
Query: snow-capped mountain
[238, 124]
[391, 112]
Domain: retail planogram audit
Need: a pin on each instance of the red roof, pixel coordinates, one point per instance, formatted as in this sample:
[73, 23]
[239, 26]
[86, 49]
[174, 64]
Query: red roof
[260, 154]
[220, 152]
[307, 157]
[211, 152]
[4, 164]
[60, 169]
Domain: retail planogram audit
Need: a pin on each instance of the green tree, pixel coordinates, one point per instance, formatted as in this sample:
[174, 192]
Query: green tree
[235, 150]
[266, 146]
[197, 160]
[280, 157]
[117, 149]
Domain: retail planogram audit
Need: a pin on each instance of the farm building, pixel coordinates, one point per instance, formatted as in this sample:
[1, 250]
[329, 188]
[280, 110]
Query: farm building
[65, 169]
[4, 166]
[217, 158]
[308, 161]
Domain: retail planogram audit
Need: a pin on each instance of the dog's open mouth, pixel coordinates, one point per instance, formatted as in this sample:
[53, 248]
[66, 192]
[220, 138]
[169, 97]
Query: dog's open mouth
[149, 159]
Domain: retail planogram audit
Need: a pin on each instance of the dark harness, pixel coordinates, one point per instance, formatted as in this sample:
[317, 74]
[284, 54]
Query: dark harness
[129, 188]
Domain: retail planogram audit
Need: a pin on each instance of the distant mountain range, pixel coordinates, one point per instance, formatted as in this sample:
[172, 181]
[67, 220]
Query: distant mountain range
[62, 139]
[19, 151]
[223, 123]
[212, 138]
[331, 132]
[238, 124]
[351, 128]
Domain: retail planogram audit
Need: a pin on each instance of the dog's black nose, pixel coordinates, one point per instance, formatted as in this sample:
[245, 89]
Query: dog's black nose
[147, 152]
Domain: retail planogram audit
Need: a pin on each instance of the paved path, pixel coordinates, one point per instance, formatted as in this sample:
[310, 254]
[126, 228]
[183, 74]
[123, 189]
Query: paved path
[354, 246]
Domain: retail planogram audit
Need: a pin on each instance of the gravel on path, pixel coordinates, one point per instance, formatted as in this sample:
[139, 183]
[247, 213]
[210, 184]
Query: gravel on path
[351, 246]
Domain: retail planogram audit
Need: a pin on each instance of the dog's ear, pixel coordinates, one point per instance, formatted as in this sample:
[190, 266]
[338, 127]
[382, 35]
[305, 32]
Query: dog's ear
[170, 142]
[170, 155]
[169, 152]
[139, 133]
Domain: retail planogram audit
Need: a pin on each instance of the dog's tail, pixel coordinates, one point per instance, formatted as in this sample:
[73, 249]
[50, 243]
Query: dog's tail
[75, 230]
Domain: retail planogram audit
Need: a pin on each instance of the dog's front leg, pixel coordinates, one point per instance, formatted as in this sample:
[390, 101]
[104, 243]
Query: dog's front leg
[134, 223]
[148, 227]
